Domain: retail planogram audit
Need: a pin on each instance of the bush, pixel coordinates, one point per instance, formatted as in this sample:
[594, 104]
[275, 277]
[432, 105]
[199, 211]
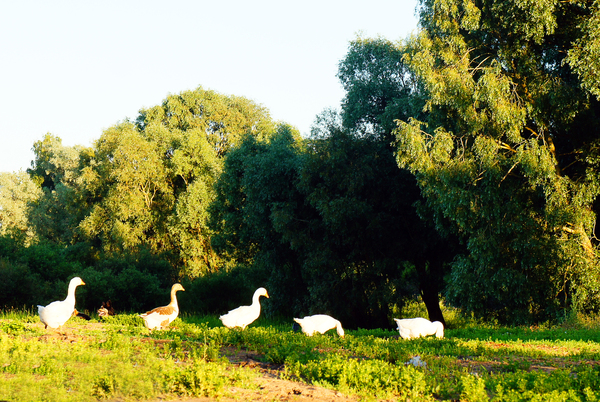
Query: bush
[219, 292]
[129, 290]
[19, 286]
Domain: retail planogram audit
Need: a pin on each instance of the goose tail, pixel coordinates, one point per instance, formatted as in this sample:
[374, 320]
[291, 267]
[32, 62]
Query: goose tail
[439, 333]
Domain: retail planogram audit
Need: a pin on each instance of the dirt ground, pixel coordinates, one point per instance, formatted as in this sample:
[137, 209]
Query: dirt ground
[276, 389]
[270, 386]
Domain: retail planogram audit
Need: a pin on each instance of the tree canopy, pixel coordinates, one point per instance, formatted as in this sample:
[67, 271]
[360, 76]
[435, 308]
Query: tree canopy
[506, 155]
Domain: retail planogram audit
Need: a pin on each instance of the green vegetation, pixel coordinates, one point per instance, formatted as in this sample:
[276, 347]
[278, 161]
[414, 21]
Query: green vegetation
[462, 165]
[118, 359]
[506, 156]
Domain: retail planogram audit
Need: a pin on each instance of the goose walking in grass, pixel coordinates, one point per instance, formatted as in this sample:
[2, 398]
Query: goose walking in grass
[161, 317]
[320, 323]
[244, 315]
[416, 327]
[55, 314]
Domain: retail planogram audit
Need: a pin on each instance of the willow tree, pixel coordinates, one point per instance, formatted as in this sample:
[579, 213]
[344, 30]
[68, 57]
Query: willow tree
[17, 191]
[55, 215]
[508, 154]
[380, 89]
[151, 180]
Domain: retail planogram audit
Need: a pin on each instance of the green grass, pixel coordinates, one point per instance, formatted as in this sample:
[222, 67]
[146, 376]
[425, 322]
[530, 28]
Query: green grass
[118, 358]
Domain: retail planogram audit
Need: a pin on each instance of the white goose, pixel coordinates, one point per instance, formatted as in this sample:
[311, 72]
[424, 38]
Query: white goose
[320, 323]
[244, 315]
[416, 327]
[161, 317]
[55, 314]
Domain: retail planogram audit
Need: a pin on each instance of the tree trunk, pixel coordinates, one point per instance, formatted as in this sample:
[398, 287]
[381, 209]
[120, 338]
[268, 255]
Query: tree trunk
[428, 284]
[432, 302]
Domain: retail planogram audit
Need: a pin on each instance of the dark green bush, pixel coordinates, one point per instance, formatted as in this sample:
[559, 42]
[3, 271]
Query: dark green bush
[219, 292]
[20, 287]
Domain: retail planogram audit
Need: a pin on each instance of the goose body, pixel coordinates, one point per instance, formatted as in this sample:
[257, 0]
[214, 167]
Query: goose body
[55, 314]
[416, 327]
[320, 323]
[244, 315]
[161, 317]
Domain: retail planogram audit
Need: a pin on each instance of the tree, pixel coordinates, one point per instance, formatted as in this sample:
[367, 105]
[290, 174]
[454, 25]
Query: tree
[331, 222]
[153, 180]
[379, 90]
[363, 242]
[379, 87]
[257, 203]
[17, 191]
[56, 214]
[507, 156]
[130, 182]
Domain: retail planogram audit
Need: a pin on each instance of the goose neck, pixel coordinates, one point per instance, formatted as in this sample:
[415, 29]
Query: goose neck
[173, 298]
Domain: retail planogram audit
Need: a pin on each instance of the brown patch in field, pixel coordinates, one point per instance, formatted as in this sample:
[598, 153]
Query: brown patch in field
[549, 349]
[519, 363]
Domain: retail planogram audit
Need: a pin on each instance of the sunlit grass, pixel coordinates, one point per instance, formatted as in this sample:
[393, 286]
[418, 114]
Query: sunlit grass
[118, 358]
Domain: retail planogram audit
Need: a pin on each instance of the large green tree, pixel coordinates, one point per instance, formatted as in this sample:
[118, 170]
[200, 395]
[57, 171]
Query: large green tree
[331, 222]
[507, 157]
[364, 245]
[379, 90]
[56, 214]
[152, 180]
[17, 192]
[379, 87]
[257, 202]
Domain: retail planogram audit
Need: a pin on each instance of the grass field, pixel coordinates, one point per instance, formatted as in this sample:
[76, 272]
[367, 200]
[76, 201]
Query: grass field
[118, 359]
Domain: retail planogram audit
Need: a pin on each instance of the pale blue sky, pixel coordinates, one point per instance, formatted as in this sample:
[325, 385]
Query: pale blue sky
[75, 68]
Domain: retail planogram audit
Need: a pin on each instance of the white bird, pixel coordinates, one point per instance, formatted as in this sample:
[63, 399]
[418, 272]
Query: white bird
[161, 317]
[55, 314]
[320, 323]
[416, 327]
[244, 315]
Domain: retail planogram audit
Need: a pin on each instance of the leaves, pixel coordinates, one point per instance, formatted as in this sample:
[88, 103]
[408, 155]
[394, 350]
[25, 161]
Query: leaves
[492, 160]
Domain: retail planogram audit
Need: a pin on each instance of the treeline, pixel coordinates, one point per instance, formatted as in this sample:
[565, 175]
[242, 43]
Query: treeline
[463, 163]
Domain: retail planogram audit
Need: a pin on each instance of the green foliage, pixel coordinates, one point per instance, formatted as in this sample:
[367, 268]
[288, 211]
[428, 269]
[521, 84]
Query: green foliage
[355, 376]
[497, 111]
[17, 190]
[584, 56]
[219, 292]
[118, 359]
[108, 365]
[199, 379]
[19, 284]
[331, 218]
[144, 184]
[362, 229]
[256, 197]
[502, 157]
[379, 88]
[39, 274]
[55, 214]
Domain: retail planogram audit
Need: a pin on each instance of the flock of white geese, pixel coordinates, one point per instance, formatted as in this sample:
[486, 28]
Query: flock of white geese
[56, 314]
